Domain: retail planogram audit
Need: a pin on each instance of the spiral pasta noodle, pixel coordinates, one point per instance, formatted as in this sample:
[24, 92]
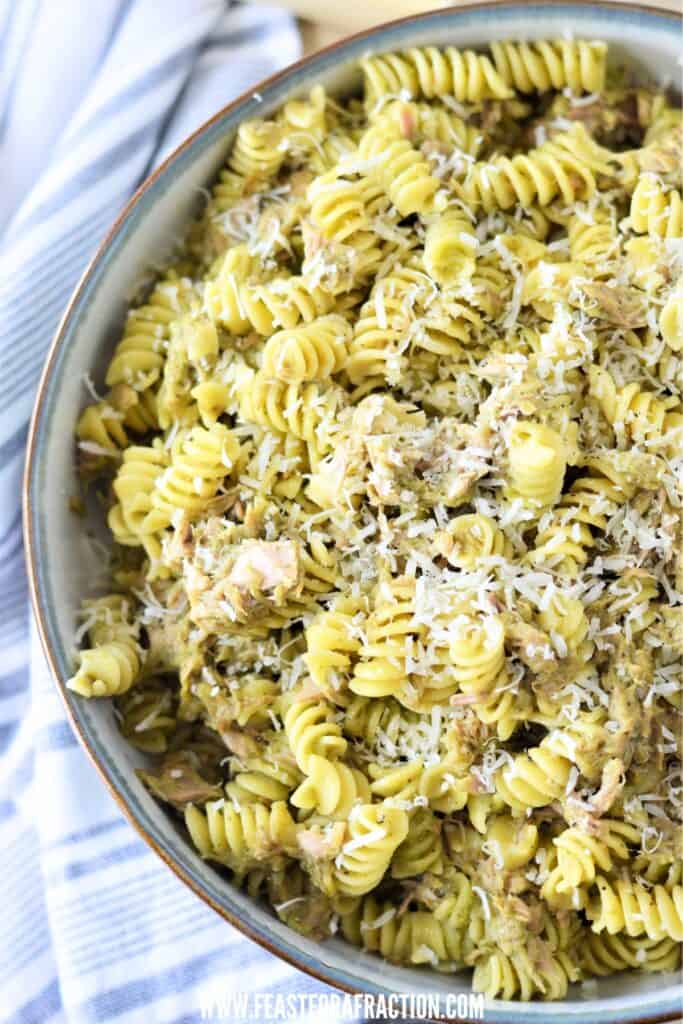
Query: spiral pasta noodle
[477, 653]
[257, 151]
[134, 486]
[537, 463]
[311, 733]
[240, 838]
[656, 211]
[580, 855]
[470, 538]
[415, 937]
[112, 665]
[399, 167]
[466, 76]
[102, 425]
[671, 319]
[606, 954]
[510, 977]
[291, 409]
[139, 355]
[307, 353]
[330, 645]
[202, 460]
[239, 300]
[569, 535]
[450, 248]
[421, 850]
[625, 906]
[107, 670]
[533, 779]
[432, 122]
[576, 64]
[592, 240]
[562, 167]
[381, 670]
[635, 412]
[382, 829]
[566, 619]
[265, 779]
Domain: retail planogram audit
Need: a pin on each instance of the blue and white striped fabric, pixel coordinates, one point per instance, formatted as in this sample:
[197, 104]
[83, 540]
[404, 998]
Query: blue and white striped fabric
[94, 927]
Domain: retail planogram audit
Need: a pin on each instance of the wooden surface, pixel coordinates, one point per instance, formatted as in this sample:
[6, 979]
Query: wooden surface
[323, 21]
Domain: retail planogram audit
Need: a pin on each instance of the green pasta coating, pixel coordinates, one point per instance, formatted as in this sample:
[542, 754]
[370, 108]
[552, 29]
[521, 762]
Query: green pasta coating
[391, 459]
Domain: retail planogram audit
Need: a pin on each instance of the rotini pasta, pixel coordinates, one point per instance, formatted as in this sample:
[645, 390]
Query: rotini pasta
[139, 356]
[656, 210]
[307, 353]
[466, 76]
[390, 158]
[113, 663]
[537, 464]
[199, 464]
[240, 838]
[450, 249]
[391, 460]
[516, 976]
[376, 831]
[575, 64]
[415, 937]
[637, 414]
[563, 167]
[627, 906]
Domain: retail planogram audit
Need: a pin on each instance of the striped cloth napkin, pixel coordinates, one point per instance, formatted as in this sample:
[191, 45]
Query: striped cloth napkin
[92, 96]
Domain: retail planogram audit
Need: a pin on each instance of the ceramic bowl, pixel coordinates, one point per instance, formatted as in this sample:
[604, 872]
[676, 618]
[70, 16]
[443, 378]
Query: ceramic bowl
[62, 567]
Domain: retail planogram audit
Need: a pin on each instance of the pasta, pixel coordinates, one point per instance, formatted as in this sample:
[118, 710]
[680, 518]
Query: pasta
[450, 249]
[579, 65]
[314, 352]
[537, 464]
[466, 76]
[398, 167]
[113, 664]
[391, 460]
[417, 937]
[656, 210]
[561, 167]
[376, 831]
[625, 906]
[236, 838]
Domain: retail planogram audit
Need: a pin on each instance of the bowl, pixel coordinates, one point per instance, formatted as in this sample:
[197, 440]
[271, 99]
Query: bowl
[62, 566]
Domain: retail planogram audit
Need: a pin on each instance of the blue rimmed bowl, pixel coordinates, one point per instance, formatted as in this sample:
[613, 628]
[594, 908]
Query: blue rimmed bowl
[61, 567]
